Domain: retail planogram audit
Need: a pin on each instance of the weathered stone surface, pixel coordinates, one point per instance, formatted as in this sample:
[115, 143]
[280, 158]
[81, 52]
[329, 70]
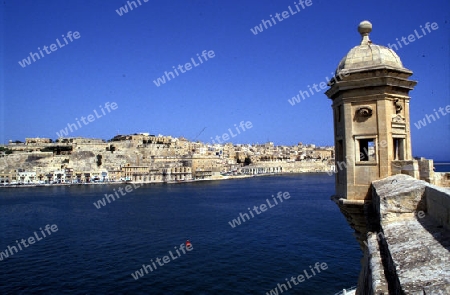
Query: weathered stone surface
[438, 204]
[420, 253]
[353, 210]
[413, 241]
[442, 179]
[372, 279]
[398, 197]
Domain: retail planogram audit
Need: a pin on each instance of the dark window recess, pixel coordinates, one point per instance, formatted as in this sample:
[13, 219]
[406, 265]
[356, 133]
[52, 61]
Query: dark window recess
[399, 149]
[340, 151]
[367, 149]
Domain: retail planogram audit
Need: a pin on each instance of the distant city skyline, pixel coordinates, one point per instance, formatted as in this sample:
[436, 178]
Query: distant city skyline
[259, 60]
[211, 142]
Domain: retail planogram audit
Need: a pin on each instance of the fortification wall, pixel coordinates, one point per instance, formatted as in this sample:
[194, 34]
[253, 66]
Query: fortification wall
[408, 251]
[297, 166]
[442, 179]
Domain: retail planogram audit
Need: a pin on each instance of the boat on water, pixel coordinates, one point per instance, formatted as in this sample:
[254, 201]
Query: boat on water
[350, 291]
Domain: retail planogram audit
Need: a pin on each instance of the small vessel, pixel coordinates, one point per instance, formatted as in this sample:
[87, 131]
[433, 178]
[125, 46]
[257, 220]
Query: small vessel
[350, 291]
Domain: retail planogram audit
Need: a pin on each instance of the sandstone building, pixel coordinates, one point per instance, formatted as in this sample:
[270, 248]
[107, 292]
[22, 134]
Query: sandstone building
[147, 158]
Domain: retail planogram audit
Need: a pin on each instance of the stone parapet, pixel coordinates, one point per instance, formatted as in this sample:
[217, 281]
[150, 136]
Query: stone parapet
[412, 239]
[438, 205]
[372, 279]
[441, 179]
[398, 197]
[409, 167]
[426, 171]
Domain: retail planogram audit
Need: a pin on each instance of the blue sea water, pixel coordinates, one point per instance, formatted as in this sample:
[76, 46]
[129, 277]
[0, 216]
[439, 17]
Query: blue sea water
[95, 251]
[442, 166]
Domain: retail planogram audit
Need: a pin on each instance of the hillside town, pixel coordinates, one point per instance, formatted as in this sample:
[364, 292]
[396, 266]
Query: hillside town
[147, 158]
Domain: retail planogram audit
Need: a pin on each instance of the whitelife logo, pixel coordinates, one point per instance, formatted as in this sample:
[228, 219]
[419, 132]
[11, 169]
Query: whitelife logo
[187, 67]
[423, 123]
[226, 137]
[285, 14]
[128, 189]
[31, 240]
[124, 9]
[323, 85]
[262, 207]
[299, 279]
[412, 37]
[35, 56]
[90, 118]
[166, 259]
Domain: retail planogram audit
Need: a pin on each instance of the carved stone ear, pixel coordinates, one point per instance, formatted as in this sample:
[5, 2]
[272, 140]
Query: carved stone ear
[364, 111]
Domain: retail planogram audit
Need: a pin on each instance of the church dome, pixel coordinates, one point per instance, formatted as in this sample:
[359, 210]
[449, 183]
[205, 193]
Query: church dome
[368, 55]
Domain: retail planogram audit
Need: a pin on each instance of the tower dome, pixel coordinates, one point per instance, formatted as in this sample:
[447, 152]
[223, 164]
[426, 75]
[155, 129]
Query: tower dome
[368, 55]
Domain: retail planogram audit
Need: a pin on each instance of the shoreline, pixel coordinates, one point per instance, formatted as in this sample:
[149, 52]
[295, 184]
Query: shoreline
[166, 182]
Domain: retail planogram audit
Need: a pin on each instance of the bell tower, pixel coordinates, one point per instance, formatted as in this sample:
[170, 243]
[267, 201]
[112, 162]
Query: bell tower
[370, 102]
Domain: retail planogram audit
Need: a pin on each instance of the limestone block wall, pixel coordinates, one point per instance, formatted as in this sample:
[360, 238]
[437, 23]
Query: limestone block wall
[410, 253]
[442, 179]
[398, 197]
[426, 171]
[372, 279]
[422, 169]
[438, 205]
[298, 166]
[409, 167]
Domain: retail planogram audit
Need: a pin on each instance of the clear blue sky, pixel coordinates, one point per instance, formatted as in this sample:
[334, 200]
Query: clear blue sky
[251, 77]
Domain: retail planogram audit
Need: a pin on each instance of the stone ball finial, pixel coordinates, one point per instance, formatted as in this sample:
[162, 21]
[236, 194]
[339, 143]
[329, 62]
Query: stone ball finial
[365, 27]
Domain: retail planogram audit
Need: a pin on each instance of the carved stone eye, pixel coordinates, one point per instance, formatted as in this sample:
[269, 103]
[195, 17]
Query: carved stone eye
[365, 111]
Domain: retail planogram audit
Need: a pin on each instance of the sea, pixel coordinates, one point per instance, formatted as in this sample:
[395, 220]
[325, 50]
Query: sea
[442, 166]
[89, 249]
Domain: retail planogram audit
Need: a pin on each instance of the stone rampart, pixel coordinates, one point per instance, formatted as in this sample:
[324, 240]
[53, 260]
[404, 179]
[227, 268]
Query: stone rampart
[442, 179]
[438, 205]
[408, 250]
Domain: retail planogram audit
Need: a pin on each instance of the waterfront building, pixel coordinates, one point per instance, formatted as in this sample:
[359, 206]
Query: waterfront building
[146, 174]
[26, 177]
[8, 177]
[255, 170]
[59, 176]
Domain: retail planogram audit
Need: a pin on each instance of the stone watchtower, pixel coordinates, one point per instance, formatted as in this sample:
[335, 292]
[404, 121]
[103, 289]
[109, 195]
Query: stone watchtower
[370, 94]
[398, 220]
